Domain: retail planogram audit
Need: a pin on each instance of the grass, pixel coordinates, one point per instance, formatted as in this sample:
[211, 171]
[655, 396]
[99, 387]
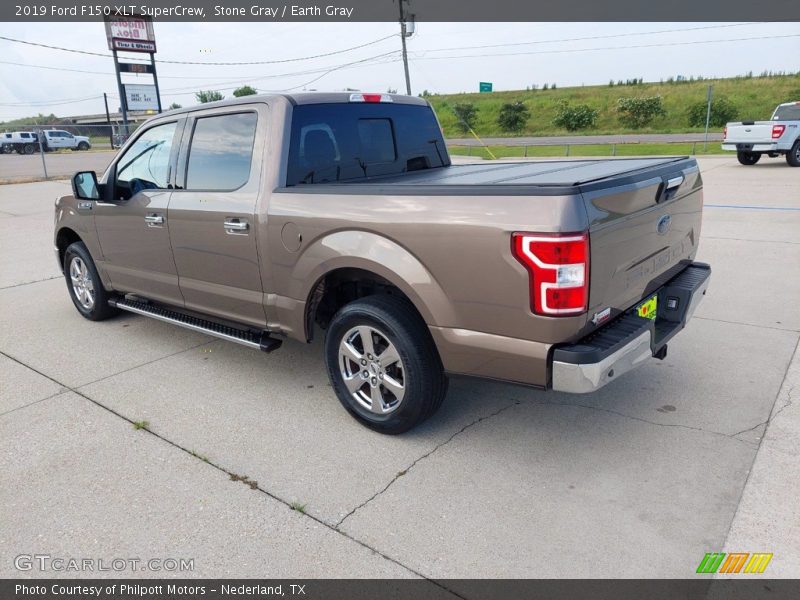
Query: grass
[137, 425]
[296, 506]
[588, 150]
[754, 98]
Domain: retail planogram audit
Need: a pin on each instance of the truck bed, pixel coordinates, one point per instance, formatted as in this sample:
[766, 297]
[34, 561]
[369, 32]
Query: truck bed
[510, 178]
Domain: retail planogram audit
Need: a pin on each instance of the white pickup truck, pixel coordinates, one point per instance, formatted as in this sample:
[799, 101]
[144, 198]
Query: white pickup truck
[778, 136]
[57, 138]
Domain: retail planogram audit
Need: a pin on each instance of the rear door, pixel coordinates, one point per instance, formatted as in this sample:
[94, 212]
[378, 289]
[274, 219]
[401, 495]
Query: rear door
[212, 213]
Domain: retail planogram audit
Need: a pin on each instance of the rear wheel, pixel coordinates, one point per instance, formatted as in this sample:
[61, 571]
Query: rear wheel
[748, 158]
[85, 287]
[793, 156]
[383, 364]
[28, 149]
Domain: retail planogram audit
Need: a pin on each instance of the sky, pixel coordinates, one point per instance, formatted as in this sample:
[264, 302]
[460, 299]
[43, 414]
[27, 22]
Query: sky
[443, 58]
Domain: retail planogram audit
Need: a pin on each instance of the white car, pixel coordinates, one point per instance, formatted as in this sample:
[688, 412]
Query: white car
[57, 138]
[776, 137]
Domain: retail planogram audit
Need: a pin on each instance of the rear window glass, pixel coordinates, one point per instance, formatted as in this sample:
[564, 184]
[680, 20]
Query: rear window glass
[345, 142]
[787, 113]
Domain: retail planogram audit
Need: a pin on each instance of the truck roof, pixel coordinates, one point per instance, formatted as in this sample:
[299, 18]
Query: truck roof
[297, 99]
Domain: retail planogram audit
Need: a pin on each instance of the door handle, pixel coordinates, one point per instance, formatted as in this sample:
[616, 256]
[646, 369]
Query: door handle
[236, 226]
[154, 220]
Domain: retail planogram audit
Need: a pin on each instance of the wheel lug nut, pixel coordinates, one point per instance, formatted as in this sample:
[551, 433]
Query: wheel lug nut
[364, 362]
[369, 356]
[374, 381]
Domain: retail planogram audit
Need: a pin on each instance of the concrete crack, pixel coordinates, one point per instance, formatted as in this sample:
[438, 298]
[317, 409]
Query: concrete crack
[423, 457]
[772, 417]
[640, 419]
[235, 477]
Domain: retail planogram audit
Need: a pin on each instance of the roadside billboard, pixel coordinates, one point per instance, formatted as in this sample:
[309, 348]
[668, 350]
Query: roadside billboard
[141, 97]
[130, 34]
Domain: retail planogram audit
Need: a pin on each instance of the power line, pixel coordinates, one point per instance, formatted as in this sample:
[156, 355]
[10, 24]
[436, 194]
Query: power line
[594, 37]
[51, 102]
[187, 62]
[570, 50]
[323, 70]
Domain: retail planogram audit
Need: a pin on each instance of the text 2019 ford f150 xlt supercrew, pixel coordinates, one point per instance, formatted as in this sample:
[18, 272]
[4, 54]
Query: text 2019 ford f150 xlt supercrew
[278, 216]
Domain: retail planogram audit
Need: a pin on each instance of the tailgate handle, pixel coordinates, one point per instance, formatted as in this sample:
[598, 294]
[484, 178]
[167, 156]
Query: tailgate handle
[674, 182]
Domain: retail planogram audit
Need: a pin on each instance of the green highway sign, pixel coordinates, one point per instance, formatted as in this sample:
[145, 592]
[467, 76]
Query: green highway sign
[485, 86]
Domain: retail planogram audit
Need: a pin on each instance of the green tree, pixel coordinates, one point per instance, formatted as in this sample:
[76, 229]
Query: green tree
[638, 112]
[245, 90]
[513, 116]
[204, 96]
[722, 111]
[174, 105]
[466, 113]
[573, 118]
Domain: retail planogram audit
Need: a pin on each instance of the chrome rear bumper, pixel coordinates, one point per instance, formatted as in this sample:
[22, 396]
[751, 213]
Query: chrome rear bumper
[629, 341]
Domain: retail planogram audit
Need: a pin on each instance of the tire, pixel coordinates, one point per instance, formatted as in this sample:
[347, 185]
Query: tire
[84, 285]
[408, 389]
[793, 156]
[748, 158]
[28, 149]
[83, 146]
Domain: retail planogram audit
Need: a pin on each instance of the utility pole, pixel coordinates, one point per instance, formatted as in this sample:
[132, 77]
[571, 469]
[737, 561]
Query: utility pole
[403, 35]
[708, 115]
[108, 120]
[155, 79]
[123, 104]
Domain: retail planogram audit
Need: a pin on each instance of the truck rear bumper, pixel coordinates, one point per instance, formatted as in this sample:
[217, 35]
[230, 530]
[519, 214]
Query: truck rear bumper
[768, 147]
[630, 340]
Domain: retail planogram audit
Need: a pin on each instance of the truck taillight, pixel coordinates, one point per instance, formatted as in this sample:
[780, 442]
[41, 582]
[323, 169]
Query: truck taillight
[558, 270]
[777, 131]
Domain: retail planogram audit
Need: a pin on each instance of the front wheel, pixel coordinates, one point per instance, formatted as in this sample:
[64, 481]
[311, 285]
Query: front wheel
[793, 156]
[748, 158]
[383, 364]
[85, 287]
[83, 146]
[28, 149]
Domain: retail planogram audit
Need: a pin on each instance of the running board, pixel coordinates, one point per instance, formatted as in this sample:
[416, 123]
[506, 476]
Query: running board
[252, 339]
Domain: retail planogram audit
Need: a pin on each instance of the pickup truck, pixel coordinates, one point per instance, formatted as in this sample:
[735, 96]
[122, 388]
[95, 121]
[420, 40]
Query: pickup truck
[778, 136]
[280, 216]
[57, 139]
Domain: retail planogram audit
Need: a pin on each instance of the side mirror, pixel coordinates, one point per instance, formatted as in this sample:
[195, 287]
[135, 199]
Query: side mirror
[84, 186]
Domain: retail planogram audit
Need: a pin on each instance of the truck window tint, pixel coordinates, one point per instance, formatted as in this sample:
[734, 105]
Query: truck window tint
[376, 139]
[148, 157]
[221, 152]
[346, 142]
[787, 113]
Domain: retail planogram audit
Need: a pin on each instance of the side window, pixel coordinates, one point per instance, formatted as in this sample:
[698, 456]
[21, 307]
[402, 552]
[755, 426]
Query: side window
[221, 151]
[148, 158]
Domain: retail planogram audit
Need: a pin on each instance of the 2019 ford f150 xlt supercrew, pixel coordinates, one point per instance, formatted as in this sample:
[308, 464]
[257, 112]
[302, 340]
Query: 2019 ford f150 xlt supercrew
[278, 216]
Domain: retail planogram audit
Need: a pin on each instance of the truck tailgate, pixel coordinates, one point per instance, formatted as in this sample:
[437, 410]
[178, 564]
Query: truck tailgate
[760, 131]
[643, 229]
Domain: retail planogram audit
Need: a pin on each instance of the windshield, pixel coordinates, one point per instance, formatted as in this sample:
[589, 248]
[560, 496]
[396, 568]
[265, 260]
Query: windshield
[789, 112]
[346, 142]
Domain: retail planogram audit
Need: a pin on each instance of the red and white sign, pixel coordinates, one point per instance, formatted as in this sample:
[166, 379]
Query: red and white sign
[131, 34]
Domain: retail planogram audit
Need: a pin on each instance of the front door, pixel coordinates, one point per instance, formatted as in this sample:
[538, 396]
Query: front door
[131, 220]
[212, 214]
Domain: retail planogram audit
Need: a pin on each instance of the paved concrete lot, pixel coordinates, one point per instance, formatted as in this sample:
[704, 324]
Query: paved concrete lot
[697, 453]
[20, 167]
